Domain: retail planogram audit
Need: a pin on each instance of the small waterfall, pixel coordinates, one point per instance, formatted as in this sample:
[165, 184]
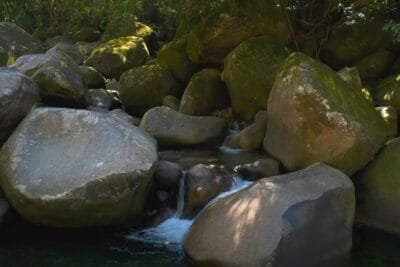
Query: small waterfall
[171, 232]
[181, 197]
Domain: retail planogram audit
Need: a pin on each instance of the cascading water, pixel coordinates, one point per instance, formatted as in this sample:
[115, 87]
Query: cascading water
[171, 232]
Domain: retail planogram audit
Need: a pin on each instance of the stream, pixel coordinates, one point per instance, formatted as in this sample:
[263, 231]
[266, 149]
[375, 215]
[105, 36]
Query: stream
[22, 244]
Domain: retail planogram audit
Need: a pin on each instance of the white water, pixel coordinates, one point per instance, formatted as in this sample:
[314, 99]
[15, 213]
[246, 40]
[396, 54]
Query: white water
[171, 232]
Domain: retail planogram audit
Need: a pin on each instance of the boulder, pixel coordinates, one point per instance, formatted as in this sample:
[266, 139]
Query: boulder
[351, 76]
[230, 24]
[168, 174]
[51, 42]
[261, 168]
[15, 42]
[249, 138]
[249, 73]
[86, 48]
[18, 95]
[4, 207]
[114, 57]
[390, 116]
[202, 185]
[145, 87]
[299, 219]
[174, 58]
[377, 188]
[122, 115]
[58, 77]
[204, 94]
[351, 42]
[314, 115]
[70, 50]
[374, 65]
[101, 98]
[92, 78]
[172, 128]
[77, 168]
[172, 102]
[387, 92]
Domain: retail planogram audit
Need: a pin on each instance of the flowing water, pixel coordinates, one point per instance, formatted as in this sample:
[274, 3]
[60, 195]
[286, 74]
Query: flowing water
[22, 244]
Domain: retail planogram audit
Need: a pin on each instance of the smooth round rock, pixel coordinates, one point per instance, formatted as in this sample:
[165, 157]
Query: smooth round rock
[77, 168]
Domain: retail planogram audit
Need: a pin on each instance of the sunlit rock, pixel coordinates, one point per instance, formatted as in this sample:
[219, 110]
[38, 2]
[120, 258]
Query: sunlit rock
[315, 116]
[114, 57]
[77, 168]
[298, 219]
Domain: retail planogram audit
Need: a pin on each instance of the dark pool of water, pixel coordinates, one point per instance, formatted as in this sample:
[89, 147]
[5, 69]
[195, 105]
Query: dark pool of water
[28, 246]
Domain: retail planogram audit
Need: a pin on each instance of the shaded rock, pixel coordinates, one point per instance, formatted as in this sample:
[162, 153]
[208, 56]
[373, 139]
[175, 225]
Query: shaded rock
[378, 192]
[249, 73]
[120, 114]
[86, 34]
[314, 115]
[4, 206]
[15, 42]
[145, 87]
[172, 102]
[298, 219]
[18, 95]
[202, 185]
[172, 128]
[114, 57]
[204, 94]
[86, 48]
[92, 78]
[174, 58]
[51, 42]
[387, 92]
[349, 43]
[251, 137]
[59, 168]
[351, 76]
[58, 77]
[70, 50]
[101, 98]
[168, 174]
[396, 66]
[375, 65]
[233, 22]
[261, 168]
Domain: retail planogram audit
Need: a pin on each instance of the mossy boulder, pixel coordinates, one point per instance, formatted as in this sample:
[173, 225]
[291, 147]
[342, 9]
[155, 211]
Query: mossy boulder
[92, 78]
[388, 92]
[18, 95]
[145, 87]
[233, 22]
[58, 77]
[375, 65]
[351, 76]
[204, 94]
[349, 43]
[15, 42]
[173, 57]
[249, 72]
[114, 57]
[315, 116]
[378, 193]
[60, 168]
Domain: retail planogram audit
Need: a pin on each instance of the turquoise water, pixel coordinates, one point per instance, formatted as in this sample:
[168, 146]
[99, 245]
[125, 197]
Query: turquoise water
[28, 246]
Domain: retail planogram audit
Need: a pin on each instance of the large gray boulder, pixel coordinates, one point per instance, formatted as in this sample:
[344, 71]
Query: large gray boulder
[58, 77]
[172, 128]
[69, 49]
[315, 116]
[378, 192]
[18, 95]
[15, 42]
[298, 219]
[77, 168]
